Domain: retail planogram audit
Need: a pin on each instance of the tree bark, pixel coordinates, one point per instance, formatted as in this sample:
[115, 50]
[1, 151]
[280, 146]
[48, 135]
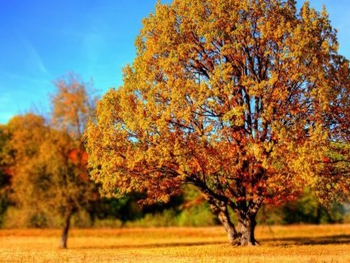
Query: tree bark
[228, 225]
[220, 210]
[246, 230]
[65, 229]
[246, 216]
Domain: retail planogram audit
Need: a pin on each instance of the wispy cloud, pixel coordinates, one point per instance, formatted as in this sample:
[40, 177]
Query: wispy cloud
[33, 57]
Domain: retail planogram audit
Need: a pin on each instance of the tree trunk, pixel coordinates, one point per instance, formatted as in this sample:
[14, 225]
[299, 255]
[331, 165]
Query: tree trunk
[229, 227]
[65, 229]
[220, 210]
[246, 230]
[246, 216]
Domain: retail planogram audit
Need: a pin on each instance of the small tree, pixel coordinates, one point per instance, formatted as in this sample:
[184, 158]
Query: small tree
[49, 161]
[238, 98]
[72, 106]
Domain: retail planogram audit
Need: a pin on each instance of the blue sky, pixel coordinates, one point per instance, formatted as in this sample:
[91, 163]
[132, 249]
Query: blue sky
[41, 41]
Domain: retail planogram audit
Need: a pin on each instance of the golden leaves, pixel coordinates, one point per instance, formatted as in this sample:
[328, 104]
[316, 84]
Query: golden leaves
[219, 88]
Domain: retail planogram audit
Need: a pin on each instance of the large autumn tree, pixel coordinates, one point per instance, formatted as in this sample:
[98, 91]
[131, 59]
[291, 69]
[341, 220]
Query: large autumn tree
[241, 99]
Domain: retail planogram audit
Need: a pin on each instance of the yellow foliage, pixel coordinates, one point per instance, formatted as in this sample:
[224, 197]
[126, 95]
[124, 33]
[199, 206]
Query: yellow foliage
[235, 97]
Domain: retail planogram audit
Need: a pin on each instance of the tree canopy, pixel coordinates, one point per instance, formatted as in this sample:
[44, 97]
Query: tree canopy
[245, 100]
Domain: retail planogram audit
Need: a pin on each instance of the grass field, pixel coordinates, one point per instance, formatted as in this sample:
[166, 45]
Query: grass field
[324, 243]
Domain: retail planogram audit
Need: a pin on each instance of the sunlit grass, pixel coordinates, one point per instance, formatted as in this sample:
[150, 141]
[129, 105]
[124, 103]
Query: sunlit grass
[324, 243]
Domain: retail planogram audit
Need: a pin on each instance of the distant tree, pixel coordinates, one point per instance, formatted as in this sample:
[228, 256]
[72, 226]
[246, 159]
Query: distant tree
[124, 209]
[308, 209]
[29, 182]
[48, 158]
[242, 99]
[72, 105]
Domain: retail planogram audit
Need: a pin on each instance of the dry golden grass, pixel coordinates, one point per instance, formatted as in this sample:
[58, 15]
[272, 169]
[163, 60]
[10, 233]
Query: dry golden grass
[279, 244]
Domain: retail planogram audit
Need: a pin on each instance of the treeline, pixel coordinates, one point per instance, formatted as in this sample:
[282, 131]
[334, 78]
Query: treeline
[44, 180]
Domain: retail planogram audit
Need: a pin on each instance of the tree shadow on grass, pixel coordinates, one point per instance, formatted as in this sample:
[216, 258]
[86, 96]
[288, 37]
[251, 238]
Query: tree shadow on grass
[288, 241]
[321, 240]
[283, 241]
[153, 245]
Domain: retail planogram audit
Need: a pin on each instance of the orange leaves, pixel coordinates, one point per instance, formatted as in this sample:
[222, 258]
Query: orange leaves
[78, 157]
[326, 159]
